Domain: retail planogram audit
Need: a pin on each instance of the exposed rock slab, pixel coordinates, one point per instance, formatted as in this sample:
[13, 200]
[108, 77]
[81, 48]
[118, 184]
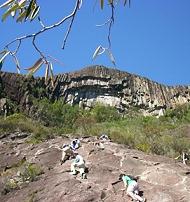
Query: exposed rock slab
[161, 178]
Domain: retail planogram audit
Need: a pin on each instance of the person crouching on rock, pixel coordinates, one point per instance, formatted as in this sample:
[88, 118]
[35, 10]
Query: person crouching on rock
[132, 187]
[78, 165]
[67, 153]
[75, 144]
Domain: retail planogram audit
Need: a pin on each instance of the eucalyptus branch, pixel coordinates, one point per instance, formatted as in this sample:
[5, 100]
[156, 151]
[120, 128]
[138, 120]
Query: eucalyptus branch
[37, 49]
[19, 44]
[111, 22]
[17, 48]
[13, 54]
[41, 23]
[69, 29]
[100, 49]
[46, 28]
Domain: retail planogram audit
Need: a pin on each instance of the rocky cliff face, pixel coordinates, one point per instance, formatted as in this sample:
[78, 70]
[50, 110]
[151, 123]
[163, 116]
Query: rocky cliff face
[98, 84]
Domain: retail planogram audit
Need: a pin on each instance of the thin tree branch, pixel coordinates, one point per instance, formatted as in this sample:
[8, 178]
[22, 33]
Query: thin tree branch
[16, 50]
[41, 23]
[13, 54]
[46, 28]
[69, 29]
[110, 24]
[105, 23]
[38, 50]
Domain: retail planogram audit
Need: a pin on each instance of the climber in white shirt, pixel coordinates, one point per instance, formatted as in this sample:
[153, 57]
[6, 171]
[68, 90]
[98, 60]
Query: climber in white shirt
[78, 165]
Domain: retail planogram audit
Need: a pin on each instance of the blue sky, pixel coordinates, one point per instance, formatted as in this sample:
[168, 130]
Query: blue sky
[150, 39]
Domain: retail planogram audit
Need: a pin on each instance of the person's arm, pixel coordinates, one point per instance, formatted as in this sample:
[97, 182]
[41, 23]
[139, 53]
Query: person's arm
[125, 179]
[125, 184]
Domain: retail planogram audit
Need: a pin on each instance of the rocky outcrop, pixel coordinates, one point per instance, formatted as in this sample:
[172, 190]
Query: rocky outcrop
[160, 178]
[98, 84]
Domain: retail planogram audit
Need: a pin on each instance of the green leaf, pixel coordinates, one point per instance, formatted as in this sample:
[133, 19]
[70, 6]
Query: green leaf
[47, 73]
[22, 3]
[9, 11]
[125, 2]
[1, 65]
[21, 16]
[13, 13]
[110, 55]
[4, 56]
[5, 15]
[35, 67]
[29, 9]
[98, 51]
[35, 12]
[51, 74]
[102, 4]
[3, 52]
[6, 3]
[80, 4]
[17, 63]
[111, 1]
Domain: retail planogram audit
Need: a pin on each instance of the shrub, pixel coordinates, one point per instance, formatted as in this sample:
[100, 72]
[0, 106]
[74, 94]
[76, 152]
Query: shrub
[21, 123]
[28, 172]
[16, 122]
[145, 147]
[57, 114]
[105, 113]
[180, 113]
[85, 124]
[10, 185]
[31, 172]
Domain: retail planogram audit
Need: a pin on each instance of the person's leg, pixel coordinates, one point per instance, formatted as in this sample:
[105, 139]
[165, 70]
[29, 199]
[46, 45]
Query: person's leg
[70, 153]
[132, 191]
[136, 189]
[63, 157]
[73, 169]
[82, 171]
[132, 195]
[139, 198]
[136, 192]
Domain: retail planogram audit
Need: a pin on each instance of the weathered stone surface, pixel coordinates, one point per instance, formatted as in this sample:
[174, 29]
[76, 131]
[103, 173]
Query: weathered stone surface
[161, 179]
[98, 84]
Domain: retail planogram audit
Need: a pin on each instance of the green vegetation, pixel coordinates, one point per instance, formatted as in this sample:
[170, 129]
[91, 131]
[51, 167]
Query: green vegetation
[31, 172]
[25, 173]
[182, 113]
[22, 123]
[164, 136]
[32, 196]
[57, 114]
